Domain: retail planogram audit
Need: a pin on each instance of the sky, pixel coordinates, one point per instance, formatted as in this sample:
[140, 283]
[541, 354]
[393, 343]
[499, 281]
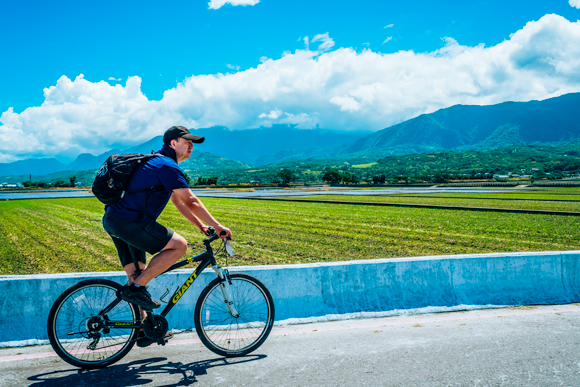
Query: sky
[89, 76]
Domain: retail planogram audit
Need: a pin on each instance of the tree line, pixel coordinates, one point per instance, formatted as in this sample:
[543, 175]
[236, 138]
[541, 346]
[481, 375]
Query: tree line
[57, 184]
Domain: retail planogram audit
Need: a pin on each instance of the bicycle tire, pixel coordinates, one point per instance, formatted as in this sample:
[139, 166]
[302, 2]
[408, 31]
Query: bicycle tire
[228, 336]
[71, 312]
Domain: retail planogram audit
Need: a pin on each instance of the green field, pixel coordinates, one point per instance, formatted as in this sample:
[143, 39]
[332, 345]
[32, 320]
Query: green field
[456, 201]
[538, 197]
[543, 194]
[65, 235]
[368, 165]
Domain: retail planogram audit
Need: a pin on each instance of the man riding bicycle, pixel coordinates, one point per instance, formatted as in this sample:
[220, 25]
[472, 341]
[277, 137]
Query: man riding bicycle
[132, 221]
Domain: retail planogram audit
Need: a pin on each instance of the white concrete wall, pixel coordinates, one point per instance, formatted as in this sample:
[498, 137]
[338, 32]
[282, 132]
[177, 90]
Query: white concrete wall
[319, 289]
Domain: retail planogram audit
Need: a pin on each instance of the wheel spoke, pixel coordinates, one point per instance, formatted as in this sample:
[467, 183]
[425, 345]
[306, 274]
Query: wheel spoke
[226, 335]
[78, 313]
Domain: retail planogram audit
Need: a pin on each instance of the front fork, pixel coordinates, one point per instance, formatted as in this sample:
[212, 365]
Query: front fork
[225, 288]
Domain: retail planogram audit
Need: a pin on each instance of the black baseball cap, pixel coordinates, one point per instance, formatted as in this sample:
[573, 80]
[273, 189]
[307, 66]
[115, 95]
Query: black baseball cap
[179, 131]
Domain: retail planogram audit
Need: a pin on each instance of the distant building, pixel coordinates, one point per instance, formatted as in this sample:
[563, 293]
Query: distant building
[7, 185]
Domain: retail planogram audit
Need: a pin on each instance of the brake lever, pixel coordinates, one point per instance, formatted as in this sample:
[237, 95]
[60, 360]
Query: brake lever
[228, 246]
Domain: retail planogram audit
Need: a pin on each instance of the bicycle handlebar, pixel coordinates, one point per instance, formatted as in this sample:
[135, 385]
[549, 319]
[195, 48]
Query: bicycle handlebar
[211, 231]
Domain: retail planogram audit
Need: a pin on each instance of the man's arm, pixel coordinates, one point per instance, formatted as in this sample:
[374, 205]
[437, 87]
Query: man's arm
[193, 210]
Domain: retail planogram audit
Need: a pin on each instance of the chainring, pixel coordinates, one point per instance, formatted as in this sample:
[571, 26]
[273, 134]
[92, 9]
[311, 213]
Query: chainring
[155, 333]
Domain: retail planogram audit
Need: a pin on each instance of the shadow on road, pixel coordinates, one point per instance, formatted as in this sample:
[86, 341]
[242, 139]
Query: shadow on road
[136, 373]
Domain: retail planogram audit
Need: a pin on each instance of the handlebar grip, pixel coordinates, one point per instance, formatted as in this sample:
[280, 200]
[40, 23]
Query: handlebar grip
[210, 231]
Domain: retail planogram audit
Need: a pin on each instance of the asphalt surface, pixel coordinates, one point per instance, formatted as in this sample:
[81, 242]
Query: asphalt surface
[528, 346]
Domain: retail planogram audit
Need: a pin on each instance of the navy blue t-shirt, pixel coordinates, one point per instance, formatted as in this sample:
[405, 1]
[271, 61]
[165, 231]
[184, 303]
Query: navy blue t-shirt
[161, 170]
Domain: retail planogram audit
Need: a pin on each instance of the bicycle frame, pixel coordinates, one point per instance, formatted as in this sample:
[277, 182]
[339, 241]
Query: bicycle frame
[206, 259]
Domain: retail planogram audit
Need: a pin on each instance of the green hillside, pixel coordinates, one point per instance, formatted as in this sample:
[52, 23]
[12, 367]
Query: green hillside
[516, 159]
[461, 127]
[520, 159]
[200, 160]
[540, 160]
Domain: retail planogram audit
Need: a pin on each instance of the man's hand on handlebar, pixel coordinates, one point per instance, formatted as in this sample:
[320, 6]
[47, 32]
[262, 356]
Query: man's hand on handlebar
[223, 232]
[204, 229]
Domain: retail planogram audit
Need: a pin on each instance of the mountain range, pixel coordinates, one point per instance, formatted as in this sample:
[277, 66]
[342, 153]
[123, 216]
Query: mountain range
[463, 127]
[222, 149]
[460, 127]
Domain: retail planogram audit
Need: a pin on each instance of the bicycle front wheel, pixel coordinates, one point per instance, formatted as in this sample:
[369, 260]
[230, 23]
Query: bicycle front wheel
[234, 336]
[81, 336]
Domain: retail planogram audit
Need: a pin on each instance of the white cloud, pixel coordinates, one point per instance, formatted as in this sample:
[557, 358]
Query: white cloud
[263, 59]
[306, 44]
[217, 4]
[114, 79]
[389, 26]
[327, 42]
[367, 44]
[575, 3]
[274, 114]
[387, 39]
[233, 67]
[346, 103]
[339, 89]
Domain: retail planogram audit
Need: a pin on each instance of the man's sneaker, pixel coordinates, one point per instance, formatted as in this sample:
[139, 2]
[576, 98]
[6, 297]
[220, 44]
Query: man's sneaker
[143, 341]
[138, 296]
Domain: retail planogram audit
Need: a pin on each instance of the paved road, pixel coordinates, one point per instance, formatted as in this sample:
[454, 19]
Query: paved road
[501, 347]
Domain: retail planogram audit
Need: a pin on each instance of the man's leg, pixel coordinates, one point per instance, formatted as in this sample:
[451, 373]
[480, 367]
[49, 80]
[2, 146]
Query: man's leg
[132, 274]
[148, 236]
[142, 340]
[171, 253]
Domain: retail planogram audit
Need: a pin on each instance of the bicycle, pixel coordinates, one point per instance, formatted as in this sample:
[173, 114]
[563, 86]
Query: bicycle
[90, 327]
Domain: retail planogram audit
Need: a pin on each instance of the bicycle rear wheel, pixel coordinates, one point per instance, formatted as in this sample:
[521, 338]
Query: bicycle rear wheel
[227, 335]
[75, 329]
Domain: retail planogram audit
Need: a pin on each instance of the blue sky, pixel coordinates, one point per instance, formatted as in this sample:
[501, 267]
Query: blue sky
[169, 47]
[165, 43]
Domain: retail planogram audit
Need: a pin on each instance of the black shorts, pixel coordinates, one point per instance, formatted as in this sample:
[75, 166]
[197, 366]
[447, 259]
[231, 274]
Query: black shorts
[147, 236]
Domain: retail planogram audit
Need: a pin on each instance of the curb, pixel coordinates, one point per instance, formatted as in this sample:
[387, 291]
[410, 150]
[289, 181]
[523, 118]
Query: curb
[337, 288]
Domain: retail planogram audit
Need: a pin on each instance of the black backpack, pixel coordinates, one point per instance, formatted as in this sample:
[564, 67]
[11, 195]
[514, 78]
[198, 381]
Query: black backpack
[113, 177]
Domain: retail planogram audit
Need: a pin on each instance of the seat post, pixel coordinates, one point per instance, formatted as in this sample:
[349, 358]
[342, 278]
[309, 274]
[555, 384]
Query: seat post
[137, 268]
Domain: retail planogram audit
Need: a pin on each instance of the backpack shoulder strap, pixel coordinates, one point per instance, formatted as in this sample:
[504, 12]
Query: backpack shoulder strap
[148, 190]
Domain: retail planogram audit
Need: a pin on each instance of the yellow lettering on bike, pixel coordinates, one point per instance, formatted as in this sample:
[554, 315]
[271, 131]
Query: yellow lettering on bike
[189, 281]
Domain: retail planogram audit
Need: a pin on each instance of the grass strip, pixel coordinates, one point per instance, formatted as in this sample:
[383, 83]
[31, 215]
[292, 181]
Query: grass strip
[66, 235]
[494, 195]
[486, 198]
[520, 205]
